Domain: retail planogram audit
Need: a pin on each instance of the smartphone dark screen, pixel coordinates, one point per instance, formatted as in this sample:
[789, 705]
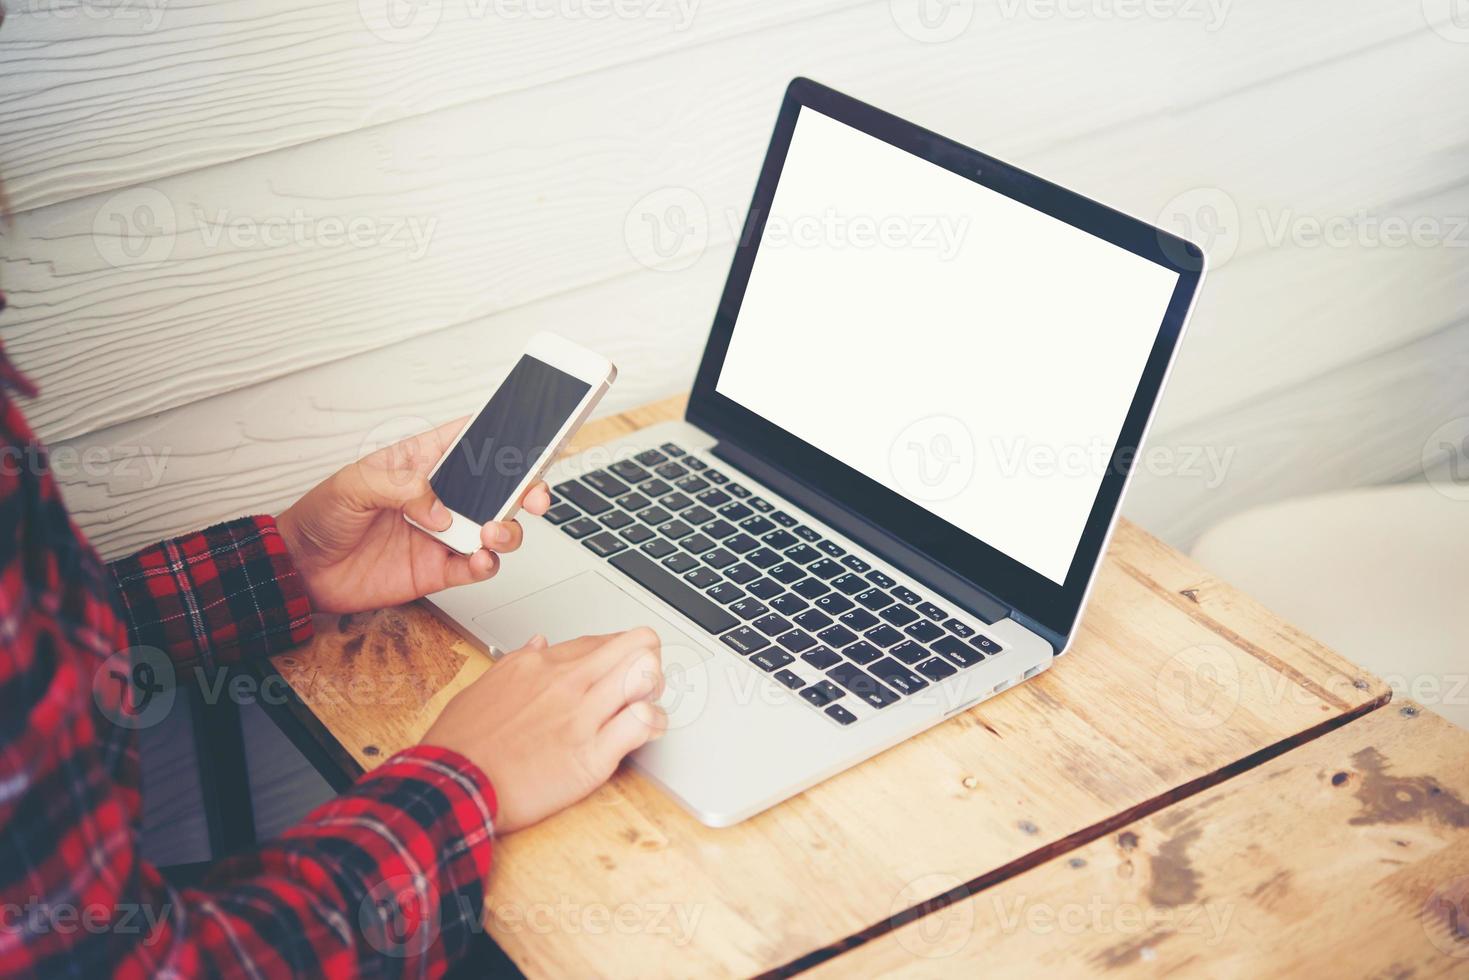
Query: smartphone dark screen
[506, 439]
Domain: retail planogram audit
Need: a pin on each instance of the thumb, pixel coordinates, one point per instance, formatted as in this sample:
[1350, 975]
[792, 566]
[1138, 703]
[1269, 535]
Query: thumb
[421, 504]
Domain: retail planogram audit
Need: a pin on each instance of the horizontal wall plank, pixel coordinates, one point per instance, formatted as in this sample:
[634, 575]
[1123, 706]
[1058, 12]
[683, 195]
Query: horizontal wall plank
[455, 219]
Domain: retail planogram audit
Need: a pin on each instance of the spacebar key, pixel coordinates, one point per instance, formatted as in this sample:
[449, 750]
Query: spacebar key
[642, 570]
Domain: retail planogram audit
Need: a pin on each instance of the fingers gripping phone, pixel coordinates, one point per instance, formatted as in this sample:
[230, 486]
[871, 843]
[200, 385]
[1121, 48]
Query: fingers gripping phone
[510, 442]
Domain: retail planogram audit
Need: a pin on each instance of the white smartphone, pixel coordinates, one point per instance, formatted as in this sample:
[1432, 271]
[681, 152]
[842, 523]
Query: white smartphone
[509, 443]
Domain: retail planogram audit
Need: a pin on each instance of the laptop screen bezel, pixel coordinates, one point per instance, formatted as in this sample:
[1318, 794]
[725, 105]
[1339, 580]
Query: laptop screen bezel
[1053, 605]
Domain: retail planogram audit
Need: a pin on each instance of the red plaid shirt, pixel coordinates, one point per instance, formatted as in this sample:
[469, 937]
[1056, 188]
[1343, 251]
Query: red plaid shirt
[387, 879]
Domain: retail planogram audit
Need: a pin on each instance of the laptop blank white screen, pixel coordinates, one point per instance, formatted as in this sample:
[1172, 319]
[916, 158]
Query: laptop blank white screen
[966, 351]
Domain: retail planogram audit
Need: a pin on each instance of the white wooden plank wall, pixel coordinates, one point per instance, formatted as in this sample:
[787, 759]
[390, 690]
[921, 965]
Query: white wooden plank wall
[434, 181]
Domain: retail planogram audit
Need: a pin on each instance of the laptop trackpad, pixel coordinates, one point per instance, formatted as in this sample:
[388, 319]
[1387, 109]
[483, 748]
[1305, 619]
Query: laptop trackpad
[581, 605]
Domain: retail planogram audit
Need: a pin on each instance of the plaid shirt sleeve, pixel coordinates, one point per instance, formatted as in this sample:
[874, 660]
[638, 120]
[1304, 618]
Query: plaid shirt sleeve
[386, 880]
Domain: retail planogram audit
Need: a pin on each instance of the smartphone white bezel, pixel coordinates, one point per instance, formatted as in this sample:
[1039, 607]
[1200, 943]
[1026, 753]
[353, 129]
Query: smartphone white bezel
[598, 372]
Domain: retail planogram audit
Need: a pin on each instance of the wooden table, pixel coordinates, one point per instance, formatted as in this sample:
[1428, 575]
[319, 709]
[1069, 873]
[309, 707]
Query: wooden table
[1114, 758]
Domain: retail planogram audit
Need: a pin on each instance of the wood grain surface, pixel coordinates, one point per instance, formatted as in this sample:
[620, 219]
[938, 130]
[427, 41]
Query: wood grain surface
[1175, 682]
[1345, 857]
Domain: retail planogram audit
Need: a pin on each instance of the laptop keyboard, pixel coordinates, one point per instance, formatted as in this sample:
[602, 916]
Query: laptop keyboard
[795, 604]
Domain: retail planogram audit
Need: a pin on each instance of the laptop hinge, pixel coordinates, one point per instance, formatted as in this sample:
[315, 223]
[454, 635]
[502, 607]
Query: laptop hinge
[975, 600]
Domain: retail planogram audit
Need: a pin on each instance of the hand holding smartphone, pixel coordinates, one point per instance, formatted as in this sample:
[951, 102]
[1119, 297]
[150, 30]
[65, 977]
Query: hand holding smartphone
[510, 442]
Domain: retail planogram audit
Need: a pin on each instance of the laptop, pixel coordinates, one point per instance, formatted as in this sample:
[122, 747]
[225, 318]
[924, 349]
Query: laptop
[918, 406]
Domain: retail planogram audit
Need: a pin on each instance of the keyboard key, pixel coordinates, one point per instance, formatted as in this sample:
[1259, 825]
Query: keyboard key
[840, 714]
[909, 652]
[580, 527]
[696, 544]
[959, 629]
[936, 669]
[605, 483]
[825, 568]
[713, 497]
[763, 558]
[637, 534]
[741, 573]
[837, 636]
[862, 684]
[605, 544]
[749, 608]
[650, 457]
[956, 652]
[814, 619]
[905, 594]
[628, 470]
[803, 554]
[654, 487]
[848, 584]
[822, 693]
[741, 543]
[724, 593]
[810, 588]
[881, 580]
[985, 645]
[671, 471]
[790, 680]
[633, 502]
[831, 548]
[856, 564]
[765, 589]
[702, 579]
[821, 657]
[899, 615]
[779, 539]
[861, 652]
[680, 563]
[718, 558]
[561, 513]
[714, 476]
[735, 510]
[932, 612]
[806, 534]
[698, 515]
[695, 463]
[617, 519]
[796, 641]
[882, 635]
[875, 599]
[834, 604]
[771, 659]
[719, 530]
[699, 608]
[772, 625]
[923, 631]
[788, 605]
[761, 504]
[658, 548]
[859, 619]
[671, 449]
[900, 678]
[675, 529]
[783, 519]
[583, 496]
[787, 573]
[675, 501]
[757, 524]
[736, 490]
[655, 516]
[744, 640]
[692, 484]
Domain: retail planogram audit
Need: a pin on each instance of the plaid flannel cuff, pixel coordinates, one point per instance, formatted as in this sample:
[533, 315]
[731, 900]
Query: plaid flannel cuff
[215, 597]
